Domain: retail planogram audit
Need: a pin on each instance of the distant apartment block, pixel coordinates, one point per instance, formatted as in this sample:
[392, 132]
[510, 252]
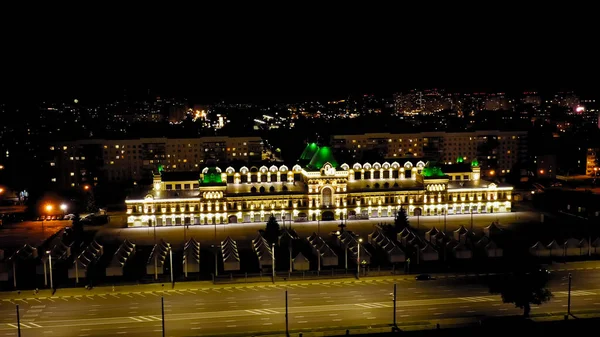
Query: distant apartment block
[496, 151]
[83, 162]
[592, 163]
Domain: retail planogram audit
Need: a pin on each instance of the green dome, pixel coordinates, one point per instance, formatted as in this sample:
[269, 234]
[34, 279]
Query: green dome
[433, 172]
[212, 176]
[323, 155]
[309, 151]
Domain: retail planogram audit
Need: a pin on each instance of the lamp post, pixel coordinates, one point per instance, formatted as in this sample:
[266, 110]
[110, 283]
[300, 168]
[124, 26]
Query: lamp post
[569, 299]
[445, 212]
[318, 225]
[358, 258]
[50, 265]
[471, 219]
[48, 209]
[216, 247]
[273, 260]
[171, 264]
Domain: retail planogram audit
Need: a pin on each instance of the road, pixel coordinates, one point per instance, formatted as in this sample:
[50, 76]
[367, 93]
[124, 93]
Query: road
[15, 235]
[256, 309]
[247, 231]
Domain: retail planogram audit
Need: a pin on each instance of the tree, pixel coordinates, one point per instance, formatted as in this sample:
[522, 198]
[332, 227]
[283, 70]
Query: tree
[401, 220]
[522, 289]
[90, 203]
[272, 230]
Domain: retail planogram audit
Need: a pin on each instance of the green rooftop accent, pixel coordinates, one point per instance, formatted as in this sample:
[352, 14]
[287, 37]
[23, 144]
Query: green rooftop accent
[432, 172]
[161, 168]
[212, 177]
[459, 160]
[324, 155]
[474, 163]
[309, 151]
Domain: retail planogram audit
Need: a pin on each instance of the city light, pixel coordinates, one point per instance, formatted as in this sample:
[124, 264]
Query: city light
[1, 190]
[63, 207]
[49, 208]
[86, 187]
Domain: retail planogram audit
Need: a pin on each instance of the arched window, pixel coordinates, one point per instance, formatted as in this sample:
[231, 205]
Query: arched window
[253, 189]
[262, 189]
[386, 185]
[327, 196]
[271, 189]
[376, 185]
[284, 188]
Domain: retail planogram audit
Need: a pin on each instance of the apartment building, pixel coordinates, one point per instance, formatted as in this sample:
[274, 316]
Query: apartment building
[496, 151]
[88, 161]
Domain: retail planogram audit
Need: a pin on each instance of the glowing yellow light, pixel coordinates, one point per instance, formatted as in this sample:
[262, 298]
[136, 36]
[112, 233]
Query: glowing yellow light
[49, 208]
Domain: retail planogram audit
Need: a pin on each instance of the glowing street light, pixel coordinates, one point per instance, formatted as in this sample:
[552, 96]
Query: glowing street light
[63, 207]
[358, 258]
[49, 208]
[50, 264]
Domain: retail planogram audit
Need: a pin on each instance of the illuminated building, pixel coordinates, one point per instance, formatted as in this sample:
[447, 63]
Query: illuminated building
[74, 163]
[317, 188]
[495, 150]
[592, 166]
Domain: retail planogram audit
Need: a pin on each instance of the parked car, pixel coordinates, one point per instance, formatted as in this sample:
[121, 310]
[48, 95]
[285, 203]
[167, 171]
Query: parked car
[424, 277]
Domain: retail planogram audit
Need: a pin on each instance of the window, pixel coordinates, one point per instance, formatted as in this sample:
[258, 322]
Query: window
[169, 187]
[52, 164]
[186, 186]
[195, 186]
[177, 186]
[72, 174]
[53, 180]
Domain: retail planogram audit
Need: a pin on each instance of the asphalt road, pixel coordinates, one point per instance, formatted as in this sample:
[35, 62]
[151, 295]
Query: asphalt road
[17, 234]
[248, 310]
[247, 231]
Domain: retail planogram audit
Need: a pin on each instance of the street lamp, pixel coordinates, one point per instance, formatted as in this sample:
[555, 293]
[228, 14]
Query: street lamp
[63, 207]
[358, 258]
[50, 264]
[49, 209]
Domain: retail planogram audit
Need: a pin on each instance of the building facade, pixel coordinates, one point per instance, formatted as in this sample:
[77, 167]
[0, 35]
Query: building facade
[319, 190]
[496, 151]
[87, 161]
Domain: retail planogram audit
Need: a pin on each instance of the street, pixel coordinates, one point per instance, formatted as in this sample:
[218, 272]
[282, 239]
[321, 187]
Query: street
[247, 231]
[260, 308]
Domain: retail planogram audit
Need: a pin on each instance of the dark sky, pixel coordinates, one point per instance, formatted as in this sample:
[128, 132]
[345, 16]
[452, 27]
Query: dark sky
[478, 52]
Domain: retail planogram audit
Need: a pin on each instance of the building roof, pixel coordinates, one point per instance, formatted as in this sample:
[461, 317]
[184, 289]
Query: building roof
[456, 168]
[180, 176]
[310, 150]
[212, 176]
[393, 185]
[322, 156]
[456, 184]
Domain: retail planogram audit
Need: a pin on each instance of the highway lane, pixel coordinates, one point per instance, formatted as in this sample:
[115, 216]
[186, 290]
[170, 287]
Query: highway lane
[307, 317]
[241, 309]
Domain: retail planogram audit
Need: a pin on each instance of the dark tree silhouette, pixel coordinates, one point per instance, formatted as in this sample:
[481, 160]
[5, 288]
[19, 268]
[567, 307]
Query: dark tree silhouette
[401, 220]
[90, 203]
[522, 289]
[272, 230]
